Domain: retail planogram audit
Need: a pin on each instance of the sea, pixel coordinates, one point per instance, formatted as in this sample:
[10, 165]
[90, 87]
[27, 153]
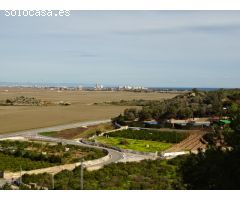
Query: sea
[92, 85]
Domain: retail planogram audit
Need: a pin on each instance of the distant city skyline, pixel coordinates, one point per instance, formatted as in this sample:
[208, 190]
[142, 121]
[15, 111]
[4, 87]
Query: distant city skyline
[139, 48]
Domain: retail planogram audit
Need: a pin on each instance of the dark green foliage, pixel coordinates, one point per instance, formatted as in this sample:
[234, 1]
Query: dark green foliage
[42, 180]
[161, 136]
[217, 168]
[12, 163]
[28, 155]
[130, 114]
[151, 175]
[214, 170]
[6, 186]
[193, 104]
[124, 142]
[134, 102]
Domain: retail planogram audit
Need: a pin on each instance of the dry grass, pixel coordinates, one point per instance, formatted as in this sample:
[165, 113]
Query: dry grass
[80, 132]
[16, 118]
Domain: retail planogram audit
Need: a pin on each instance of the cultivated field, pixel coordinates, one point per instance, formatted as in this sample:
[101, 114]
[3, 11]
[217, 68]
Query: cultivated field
[16, 118]
[37, 155]
[137, 145]
[80, 132]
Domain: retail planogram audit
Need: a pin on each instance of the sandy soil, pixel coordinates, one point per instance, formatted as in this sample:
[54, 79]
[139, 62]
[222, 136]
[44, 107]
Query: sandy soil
[17, 118]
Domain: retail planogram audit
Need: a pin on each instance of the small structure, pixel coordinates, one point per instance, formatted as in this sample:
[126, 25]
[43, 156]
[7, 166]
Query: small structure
[151, 122]
[191, 121]
[224, 122]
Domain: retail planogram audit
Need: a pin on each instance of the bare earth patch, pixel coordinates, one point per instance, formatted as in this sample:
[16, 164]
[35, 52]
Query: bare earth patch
[82, 108]
[80, 132]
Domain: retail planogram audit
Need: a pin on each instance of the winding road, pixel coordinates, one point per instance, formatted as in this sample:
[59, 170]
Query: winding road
[115, 156]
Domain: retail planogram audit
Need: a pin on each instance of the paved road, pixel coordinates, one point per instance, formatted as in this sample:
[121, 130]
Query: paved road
[115, 156]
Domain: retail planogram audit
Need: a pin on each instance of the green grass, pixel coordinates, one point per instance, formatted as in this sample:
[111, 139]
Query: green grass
[49, 134]
[137, 145]
[153, 135]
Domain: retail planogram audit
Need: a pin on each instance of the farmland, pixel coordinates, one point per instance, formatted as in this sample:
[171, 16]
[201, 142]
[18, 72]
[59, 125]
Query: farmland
[160, 136]
[82, 108]
[80, 132]
[143, 140]
[133, 144]
[36, 155]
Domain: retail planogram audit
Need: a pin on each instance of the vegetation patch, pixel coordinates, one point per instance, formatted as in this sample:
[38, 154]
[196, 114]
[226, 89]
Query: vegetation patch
[35, 155]
[133, 144]
[146, 175]
[13, 163]
[198, 104]
[24, 101]
[134, 102]
[160, 136]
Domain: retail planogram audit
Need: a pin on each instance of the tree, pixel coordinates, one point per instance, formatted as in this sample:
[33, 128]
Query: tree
[184, 113]
[130, 114]
[145, 114]
[218, 167]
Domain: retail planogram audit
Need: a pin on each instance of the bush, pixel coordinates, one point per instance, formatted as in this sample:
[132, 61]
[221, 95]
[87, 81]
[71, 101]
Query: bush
[124, 142]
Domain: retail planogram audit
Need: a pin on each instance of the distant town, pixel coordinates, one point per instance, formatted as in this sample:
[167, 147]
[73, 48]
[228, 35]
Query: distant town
[99, 87]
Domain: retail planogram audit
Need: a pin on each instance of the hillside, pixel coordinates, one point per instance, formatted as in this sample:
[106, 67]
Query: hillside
[190, 105]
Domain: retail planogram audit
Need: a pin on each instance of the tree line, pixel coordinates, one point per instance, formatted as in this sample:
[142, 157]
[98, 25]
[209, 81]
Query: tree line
[190, 105]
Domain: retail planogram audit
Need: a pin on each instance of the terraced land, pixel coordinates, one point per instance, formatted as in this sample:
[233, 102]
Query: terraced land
[192, 143]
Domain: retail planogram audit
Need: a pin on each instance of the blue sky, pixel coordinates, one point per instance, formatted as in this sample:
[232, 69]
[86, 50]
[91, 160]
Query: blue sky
[148, 48]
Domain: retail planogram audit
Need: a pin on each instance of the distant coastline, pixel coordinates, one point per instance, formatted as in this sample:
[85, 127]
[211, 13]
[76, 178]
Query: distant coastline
[84, 85]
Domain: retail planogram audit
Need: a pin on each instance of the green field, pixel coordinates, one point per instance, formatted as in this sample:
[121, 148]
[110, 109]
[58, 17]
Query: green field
[137, 145]
[152, 135]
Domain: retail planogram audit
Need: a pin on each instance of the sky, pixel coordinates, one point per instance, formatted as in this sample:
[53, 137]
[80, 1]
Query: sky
[147, 48]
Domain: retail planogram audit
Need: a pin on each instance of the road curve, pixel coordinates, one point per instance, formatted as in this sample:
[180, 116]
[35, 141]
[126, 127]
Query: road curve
[115, 156]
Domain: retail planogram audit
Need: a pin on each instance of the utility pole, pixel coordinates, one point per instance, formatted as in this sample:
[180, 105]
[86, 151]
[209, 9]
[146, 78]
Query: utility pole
[20, 179]
[52, 181]
[176, 136]
[81, 174]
